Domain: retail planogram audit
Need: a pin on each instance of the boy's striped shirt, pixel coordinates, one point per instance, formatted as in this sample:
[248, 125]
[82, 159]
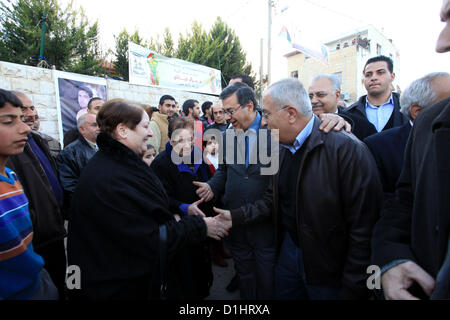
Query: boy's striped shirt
[20, 266]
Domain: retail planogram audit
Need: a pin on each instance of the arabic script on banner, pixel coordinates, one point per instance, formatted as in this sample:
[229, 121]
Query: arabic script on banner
[149, 68]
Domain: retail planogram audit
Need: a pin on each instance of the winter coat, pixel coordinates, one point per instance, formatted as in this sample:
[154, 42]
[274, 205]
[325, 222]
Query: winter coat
[338, 199]
[116, 211]
[177, 180]
[45, 212]
[71, 161]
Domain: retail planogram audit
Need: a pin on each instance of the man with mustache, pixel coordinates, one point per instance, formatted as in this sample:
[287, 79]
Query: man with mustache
[324, 93]
[53, 144]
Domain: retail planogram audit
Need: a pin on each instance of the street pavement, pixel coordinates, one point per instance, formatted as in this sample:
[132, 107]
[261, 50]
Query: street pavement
[222, 277]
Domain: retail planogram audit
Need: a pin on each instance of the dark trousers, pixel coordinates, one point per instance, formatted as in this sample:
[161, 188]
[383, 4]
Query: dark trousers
[290, 278]
[46, 289]
[54, 256]
[254, 261]
[442, 289]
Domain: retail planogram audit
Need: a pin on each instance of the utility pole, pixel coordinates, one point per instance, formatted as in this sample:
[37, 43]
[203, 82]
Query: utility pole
[269, 41]
[261, 75]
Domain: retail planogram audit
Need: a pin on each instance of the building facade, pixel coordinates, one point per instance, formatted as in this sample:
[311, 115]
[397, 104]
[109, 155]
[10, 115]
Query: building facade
[347, 56]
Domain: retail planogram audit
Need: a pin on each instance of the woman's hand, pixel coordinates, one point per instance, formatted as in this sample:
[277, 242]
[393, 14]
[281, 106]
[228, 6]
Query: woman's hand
[193, 209]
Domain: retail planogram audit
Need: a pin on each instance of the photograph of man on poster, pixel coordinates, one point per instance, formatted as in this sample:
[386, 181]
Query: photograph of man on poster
[74, 97]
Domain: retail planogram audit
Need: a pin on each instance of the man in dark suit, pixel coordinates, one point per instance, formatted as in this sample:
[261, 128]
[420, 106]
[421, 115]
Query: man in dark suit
[411, 240]
[388, 147]
[379, 110]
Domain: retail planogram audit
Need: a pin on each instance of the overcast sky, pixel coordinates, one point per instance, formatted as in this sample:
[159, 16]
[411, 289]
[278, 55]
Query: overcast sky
[413, 25]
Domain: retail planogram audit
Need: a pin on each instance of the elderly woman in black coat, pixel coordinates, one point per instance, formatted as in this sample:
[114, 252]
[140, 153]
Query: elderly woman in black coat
[116, 212]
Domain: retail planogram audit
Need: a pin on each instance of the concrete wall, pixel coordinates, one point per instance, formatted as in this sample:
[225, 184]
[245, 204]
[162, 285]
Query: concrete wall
[39, 84]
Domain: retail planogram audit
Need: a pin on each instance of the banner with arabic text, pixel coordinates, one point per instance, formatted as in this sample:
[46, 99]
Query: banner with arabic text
[149, 68]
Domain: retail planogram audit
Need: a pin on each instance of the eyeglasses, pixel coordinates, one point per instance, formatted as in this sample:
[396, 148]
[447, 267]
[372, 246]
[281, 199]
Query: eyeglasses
[189, 140]
[219, 112]
[230, 113]
[266, 114]
[319, 95]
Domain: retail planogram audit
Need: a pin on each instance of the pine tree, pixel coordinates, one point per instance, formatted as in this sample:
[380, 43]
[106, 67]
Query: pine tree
[219, 49]
[121, 65]
[71, 43]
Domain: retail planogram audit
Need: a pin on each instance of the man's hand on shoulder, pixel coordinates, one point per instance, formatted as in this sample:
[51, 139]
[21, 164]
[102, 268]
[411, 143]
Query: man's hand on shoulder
[333, 121]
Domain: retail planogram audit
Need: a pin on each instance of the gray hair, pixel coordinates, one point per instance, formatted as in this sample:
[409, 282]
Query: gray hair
[81, 120]
[420, 92]
[332, 77]
[290, 92]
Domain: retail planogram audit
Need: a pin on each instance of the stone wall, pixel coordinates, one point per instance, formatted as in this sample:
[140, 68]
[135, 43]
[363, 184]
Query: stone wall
[39, 84]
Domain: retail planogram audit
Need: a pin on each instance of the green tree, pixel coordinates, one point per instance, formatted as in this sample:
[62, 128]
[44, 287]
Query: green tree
[193, 47]
[121, 66]
[226, 52]
[166, 46]
[71, 43]
[219, 49]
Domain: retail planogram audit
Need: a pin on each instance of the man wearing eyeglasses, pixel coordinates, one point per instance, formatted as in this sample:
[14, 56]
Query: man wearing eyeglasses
[220, 121]
[323, 202]
[324, 93]
[252, 246]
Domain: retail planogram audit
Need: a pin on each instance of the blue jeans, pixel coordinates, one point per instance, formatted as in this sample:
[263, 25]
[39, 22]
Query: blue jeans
[290, 278]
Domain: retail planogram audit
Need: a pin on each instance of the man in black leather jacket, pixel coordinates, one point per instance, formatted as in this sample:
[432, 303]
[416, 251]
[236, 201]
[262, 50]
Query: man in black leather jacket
[324, 202]
[75, 156]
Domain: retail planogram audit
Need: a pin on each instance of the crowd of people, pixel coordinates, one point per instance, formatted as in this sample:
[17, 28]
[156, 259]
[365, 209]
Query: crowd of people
[153, 197]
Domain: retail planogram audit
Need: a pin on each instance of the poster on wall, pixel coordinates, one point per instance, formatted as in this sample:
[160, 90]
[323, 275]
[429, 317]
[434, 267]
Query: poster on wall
[73, 92]
[148, 68]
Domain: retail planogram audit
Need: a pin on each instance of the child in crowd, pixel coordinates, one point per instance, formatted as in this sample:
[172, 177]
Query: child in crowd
[22, 275]
[212, 157]
[149, 155]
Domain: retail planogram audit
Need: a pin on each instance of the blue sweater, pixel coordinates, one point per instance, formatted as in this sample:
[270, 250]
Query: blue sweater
[20, 266]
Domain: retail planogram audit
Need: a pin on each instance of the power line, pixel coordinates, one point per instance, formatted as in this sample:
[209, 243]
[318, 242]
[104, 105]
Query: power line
[335, 11]
[238, 9]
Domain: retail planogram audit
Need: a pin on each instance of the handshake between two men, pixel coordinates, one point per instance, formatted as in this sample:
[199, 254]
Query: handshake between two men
[218, 226]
